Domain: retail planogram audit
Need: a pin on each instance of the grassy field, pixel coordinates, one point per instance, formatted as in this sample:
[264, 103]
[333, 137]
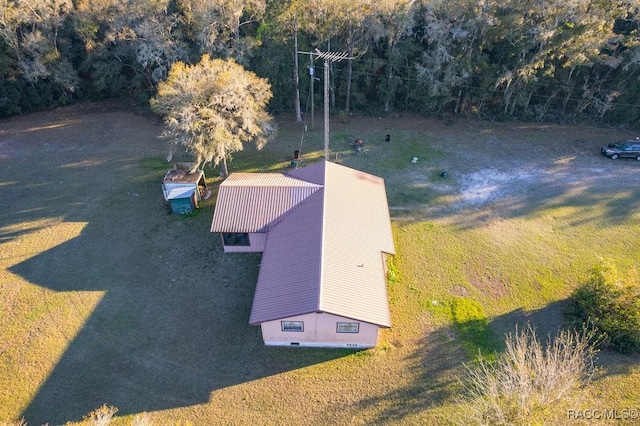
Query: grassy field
[107, 299]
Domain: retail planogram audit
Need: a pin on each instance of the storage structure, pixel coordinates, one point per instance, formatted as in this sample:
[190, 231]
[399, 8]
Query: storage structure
[183, 188]
[182, 200]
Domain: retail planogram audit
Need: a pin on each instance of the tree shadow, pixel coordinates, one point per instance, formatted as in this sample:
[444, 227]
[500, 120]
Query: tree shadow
[438, 365]
[547, 321]
[171, 326]
[601, 190]
[434, 367]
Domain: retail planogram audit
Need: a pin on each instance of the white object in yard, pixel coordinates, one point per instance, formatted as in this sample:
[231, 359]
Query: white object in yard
[414, 160]
[182, 192]
[178, 178]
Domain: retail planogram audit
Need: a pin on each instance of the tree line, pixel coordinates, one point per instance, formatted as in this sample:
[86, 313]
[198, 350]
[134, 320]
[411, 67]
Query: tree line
[552, 60]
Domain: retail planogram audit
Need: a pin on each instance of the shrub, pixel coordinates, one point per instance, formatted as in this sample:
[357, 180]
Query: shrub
[142, 419]
[101, 416]
[393, 273]
[612, 304]
[529, 382]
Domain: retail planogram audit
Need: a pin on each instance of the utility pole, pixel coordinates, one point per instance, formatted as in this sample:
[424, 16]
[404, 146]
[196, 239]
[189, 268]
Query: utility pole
[313, 115]
[327, 57]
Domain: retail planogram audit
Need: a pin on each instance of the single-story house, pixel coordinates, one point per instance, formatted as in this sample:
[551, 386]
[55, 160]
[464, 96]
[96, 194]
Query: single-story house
[324, 231]
[183, 187]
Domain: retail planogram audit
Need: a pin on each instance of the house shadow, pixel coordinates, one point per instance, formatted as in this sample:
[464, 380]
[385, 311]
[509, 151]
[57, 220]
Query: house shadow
[171, 324]
[434, 367]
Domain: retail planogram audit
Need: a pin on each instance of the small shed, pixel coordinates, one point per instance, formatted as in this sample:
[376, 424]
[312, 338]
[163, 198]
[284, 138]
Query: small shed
[182, 200]
[183, 187]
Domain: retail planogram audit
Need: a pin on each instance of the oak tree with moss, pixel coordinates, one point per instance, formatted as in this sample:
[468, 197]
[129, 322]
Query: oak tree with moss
[213, 108]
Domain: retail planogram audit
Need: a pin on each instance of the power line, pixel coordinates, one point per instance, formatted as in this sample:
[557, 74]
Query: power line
[542, 86]
[327, 57]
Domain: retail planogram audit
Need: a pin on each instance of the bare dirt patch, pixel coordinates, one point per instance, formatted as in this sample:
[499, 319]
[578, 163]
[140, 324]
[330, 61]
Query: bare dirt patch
[487, 185]
[500, 166]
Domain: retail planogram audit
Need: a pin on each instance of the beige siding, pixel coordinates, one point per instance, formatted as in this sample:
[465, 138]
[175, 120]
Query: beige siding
[319, 331]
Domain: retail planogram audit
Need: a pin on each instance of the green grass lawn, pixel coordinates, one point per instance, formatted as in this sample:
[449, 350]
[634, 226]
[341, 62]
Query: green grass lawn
[107, 299]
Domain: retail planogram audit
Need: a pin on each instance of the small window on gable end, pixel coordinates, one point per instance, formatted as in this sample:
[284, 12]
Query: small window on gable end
[292, 325]
[348, 327]
[236, 239]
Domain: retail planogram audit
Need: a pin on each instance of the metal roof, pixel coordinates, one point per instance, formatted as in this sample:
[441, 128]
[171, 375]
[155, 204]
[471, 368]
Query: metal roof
[266, 180]
[180, 192]
[288, 281]
[357, 230]
[255, 202]
[326, 253]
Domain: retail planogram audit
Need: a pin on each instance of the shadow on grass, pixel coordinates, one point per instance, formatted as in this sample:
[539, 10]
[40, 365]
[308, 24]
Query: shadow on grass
[172, 324]
[438, 371]
[546, 321]
[435, 368]
[169, 330]
[549, 320]
[172, 327]
[590, 187]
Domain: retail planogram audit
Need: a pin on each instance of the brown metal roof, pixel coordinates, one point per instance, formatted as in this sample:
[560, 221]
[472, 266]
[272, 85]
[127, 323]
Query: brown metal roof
[289, 277]
[314, 173]
[325, 253]
[254, 202]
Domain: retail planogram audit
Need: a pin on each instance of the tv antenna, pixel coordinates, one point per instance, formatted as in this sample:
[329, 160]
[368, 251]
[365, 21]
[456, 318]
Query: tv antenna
[327, 57]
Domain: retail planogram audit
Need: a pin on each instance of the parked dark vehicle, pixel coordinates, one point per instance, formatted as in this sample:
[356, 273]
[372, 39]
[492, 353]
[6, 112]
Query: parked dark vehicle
[628, 148]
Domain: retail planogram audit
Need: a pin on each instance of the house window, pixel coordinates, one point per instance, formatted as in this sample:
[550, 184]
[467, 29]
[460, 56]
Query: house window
[348, 327]
[292, 325]
[235, 239]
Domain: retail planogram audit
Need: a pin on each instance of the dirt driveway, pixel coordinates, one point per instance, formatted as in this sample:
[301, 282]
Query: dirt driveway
[501, 167]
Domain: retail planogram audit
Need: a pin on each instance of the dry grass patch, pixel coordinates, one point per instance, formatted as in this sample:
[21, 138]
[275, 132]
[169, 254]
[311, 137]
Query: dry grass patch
[530, 382]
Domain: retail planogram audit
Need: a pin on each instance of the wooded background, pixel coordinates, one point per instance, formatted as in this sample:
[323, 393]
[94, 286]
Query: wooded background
[551, 60]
